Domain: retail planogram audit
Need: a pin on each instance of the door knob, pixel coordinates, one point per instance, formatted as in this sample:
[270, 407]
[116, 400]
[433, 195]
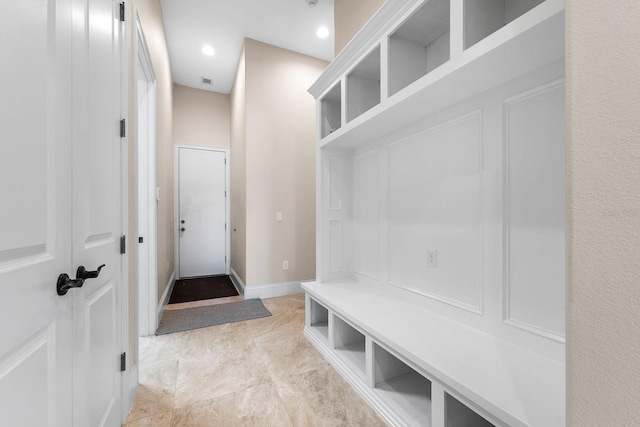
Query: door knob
[182, 229]
[182, 222]
[82, 272]
[65, 283]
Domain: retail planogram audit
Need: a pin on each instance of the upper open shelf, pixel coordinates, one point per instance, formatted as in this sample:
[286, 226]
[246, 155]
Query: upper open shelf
[484, 17]
[331, 111]
[363, 86]
[435, 57]
[420, 45]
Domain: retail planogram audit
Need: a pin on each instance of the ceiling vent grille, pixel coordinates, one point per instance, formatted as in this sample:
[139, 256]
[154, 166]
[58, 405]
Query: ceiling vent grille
[206, 81]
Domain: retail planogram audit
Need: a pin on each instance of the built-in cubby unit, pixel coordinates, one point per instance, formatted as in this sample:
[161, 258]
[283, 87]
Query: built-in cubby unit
[420, 45]
[460, 415]
[363, 85]
[407, 391]
[446, 175]
[350, 344]
[331, 111]
[484, 17]
[319, 318]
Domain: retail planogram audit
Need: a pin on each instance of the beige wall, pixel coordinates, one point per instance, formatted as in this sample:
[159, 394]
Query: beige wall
[150, 13]
[277, 162]
[238, 173]
[200, 117]
[349, 17]
[603, 191]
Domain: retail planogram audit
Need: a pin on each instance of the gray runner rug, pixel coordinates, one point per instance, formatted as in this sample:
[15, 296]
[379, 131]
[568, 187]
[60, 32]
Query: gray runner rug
[211, 315]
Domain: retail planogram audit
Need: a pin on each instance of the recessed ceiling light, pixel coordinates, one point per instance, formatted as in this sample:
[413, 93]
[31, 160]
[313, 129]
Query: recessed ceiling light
[323, 32]
[208, 50]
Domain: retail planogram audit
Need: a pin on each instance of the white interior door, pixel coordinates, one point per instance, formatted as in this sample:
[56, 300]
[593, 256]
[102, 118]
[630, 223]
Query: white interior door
[202, 212]
[35, 217]
[97, 213]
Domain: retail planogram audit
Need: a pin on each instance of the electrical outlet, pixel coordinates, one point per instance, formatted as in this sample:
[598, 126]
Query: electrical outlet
[285, 265]
[432, 258]
[278, 216]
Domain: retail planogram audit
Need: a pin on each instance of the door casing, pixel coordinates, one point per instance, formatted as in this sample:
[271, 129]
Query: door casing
[146, 181]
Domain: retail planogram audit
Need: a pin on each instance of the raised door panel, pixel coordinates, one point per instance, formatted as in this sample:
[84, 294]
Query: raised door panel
[35, 218]
[102, 361]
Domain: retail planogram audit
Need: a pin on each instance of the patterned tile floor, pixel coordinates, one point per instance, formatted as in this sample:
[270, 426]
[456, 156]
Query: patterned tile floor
[259, 372]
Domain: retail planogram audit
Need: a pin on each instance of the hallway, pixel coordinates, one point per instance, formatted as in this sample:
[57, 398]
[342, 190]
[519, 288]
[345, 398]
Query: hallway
[260, 372]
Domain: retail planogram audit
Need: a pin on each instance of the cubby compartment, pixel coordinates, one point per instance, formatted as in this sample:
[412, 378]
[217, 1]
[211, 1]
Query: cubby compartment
[457, 414]
[363, 85]
[484, 17]
[350, 344]
[402, 387]
[420, 45]
[319, 318]
[331, 111]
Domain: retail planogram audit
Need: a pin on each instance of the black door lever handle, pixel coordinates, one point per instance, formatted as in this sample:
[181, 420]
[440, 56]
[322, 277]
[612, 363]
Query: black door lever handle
[65, 283]
[82, 272]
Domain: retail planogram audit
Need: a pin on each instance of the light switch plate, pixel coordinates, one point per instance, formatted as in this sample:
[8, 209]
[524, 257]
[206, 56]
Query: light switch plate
[278, 216]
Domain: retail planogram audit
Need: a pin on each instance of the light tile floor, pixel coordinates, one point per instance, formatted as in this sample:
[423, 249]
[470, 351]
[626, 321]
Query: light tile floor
[260, 372]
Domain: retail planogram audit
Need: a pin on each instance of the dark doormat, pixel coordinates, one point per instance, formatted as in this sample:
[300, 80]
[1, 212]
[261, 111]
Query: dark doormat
[211, 315]
[199, 288]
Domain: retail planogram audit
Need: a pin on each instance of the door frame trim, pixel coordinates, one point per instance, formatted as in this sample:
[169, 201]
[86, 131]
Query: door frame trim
[176, 201]
[125, 320]
[147, 292]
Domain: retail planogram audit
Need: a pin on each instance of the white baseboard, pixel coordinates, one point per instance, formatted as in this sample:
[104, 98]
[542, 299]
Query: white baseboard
[273, 290]
[265, 291]
[165, 296]
[237, 281]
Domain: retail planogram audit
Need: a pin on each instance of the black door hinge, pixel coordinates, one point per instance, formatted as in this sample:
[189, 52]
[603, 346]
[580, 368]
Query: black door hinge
[122, 12]
[123, 128]
[123, 244]
[123, 362]
[140, 239]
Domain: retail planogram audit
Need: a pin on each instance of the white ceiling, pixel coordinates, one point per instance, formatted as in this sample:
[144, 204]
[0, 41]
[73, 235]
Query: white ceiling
[190, 24]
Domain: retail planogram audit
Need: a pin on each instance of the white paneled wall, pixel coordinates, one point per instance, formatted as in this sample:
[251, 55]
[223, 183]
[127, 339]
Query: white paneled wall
[481, 186]
[435, 205]
[535, 209]
[367, 214]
